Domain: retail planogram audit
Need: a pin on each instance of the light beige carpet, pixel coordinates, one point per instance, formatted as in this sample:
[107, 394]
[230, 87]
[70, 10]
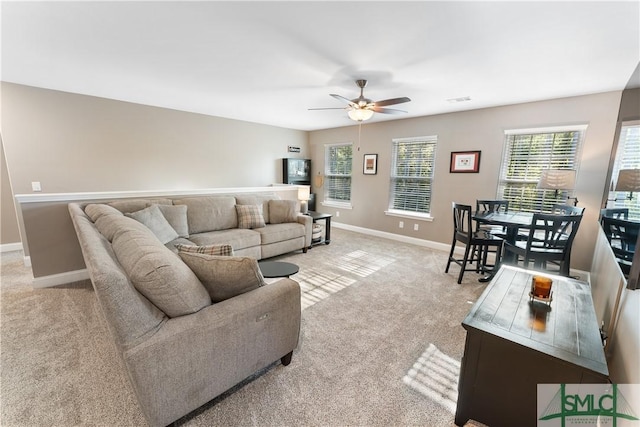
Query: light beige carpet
[380, 345]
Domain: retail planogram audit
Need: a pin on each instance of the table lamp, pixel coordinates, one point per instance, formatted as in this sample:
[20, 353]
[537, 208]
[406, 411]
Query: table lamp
[628, 180]
[558, 179]
[304, 194]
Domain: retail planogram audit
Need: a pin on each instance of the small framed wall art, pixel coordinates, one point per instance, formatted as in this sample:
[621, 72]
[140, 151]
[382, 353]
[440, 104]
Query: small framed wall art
[370, 164]
[465, 162]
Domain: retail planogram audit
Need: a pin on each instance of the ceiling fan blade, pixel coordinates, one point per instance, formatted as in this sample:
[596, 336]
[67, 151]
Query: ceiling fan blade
[392, 101]
[328, 108]
[388, 110]
[342, 98]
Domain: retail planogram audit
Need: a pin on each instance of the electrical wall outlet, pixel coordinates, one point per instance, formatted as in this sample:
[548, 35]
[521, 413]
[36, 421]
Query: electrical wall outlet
[337, 214]
[401, 224]
[415, 227]
[35, 186]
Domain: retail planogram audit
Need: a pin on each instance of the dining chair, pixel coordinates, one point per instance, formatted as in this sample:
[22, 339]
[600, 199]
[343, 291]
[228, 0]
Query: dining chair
[550, 239]
[617, 213]
[492, 206]
[567, 210]
[476, 243]
[623, 237]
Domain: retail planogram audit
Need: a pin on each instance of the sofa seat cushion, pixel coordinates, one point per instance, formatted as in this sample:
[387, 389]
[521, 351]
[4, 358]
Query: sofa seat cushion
[210, 213]
[224, 276]
[274, 233]
[238, 238]
[154, 270]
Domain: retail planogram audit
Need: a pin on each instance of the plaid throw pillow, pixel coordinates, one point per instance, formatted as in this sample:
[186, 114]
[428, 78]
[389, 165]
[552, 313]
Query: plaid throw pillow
[220, 250]
[250, 216]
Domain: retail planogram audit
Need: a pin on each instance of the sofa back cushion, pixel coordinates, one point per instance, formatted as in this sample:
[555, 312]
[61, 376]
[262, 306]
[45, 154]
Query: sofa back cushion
[210, 213]
[281, 211]
[132, 205]
[155, 271]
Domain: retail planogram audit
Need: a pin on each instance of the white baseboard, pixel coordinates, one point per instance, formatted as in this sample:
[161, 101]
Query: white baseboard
[60, 279]
[10, 247]
[397, 237]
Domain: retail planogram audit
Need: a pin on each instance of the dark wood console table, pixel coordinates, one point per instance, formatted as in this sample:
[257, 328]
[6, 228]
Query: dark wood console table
[514, 344]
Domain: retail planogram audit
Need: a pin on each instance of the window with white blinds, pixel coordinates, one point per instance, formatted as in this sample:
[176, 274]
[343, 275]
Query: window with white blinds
[527, 153]
[413, 161]
[627, 157]
[337, 180]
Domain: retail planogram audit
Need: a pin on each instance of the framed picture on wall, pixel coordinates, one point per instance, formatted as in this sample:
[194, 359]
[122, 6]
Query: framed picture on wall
[370, 164]
[465, 162]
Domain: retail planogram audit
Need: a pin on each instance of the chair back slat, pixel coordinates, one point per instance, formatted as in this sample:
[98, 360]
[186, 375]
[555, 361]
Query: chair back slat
[492, 205]
[462, 218]
[567, 210]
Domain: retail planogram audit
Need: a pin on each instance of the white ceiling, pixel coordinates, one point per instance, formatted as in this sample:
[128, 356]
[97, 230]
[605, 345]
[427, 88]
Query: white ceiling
[269, 62]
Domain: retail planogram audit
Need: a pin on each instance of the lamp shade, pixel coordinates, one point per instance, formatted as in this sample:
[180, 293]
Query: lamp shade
[304, 192]
[360, 114]
[628, 180]
[557, 179]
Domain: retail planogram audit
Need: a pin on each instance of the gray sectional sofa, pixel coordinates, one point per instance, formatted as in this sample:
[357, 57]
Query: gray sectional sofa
[190, 323]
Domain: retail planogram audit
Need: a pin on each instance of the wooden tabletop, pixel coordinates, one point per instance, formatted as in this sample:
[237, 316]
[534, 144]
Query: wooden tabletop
[566, 329]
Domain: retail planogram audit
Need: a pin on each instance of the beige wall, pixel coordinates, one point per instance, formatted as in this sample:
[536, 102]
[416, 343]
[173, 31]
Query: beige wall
[474, 130]
[8, 221]
[75, 143]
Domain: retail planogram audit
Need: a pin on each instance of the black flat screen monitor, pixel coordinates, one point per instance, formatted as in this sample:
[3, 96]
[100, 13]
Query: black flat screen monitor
[296, 171]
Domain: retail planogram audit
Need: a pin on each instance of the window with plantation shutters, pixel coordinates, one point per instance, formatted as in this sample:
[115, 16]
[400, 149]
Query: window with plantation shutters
[337, 181]
[527, 153]
[413, 161]
[627, 157]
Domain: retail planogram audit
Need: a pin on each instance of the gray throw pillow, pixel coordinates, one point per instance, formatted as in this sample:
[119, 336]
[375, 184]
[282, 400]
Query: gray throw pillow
[153, 219]
[224, 277]
[281, 211]
[176, 215]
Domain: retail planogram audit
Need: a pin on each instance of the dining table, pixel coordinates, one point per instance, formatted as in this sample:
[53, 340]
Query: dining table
[512, 222]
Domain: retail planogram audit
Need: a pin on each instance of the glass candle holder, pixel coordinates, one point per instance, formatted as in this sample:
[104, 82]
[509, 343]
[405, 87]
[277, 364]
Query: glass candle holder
[541, 287]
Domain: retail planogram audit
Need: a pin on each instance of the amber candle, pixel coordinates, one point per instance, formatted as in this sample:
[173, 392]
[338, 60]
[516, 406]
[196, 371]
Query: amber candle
[541, 286]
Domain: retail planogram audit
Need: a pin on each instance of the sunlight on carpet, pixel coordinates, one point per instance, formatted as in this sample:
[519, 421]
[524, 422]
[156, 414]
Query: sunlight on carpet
[435, 375]
[362, 263]
[317, 285]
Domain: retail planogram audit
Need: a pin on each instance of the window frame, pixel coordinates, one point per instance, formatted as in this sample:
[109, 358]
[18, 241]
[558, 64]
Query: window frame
[329, 174]
[619, 199]
[393, 177]
[544, 199]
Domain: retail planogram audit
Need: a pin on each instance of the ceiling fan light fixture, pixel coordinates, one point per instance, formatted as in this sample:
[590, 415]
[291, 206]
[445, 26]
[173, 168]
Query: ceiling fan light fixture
[360, 114]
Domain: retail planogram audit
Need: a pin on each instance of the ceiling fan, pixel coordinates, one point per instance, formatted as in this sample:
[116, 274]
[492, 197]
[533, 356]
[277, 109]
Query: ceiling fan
[361, 108]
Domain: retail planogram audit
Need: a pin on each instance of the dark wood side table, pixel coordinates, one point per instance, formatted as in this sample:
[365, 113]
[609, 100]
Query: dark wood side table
[513, 344]
[317, 216]
[273, 269]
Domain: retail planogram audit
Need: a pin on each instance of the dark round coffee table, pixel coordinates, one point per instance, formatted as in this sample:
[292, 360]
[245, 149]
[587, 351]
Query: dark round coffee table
[271, 269]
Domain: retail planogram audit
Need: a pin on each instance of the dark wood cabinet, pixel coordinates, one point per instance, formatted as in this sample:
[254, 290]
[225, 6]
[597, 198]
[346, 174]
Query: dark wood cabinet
[513, 344]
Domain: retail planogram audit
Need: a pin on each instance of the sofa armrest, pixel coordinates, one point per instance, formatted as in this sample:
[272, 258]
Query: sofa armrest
[194, 358]
[307, 221]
